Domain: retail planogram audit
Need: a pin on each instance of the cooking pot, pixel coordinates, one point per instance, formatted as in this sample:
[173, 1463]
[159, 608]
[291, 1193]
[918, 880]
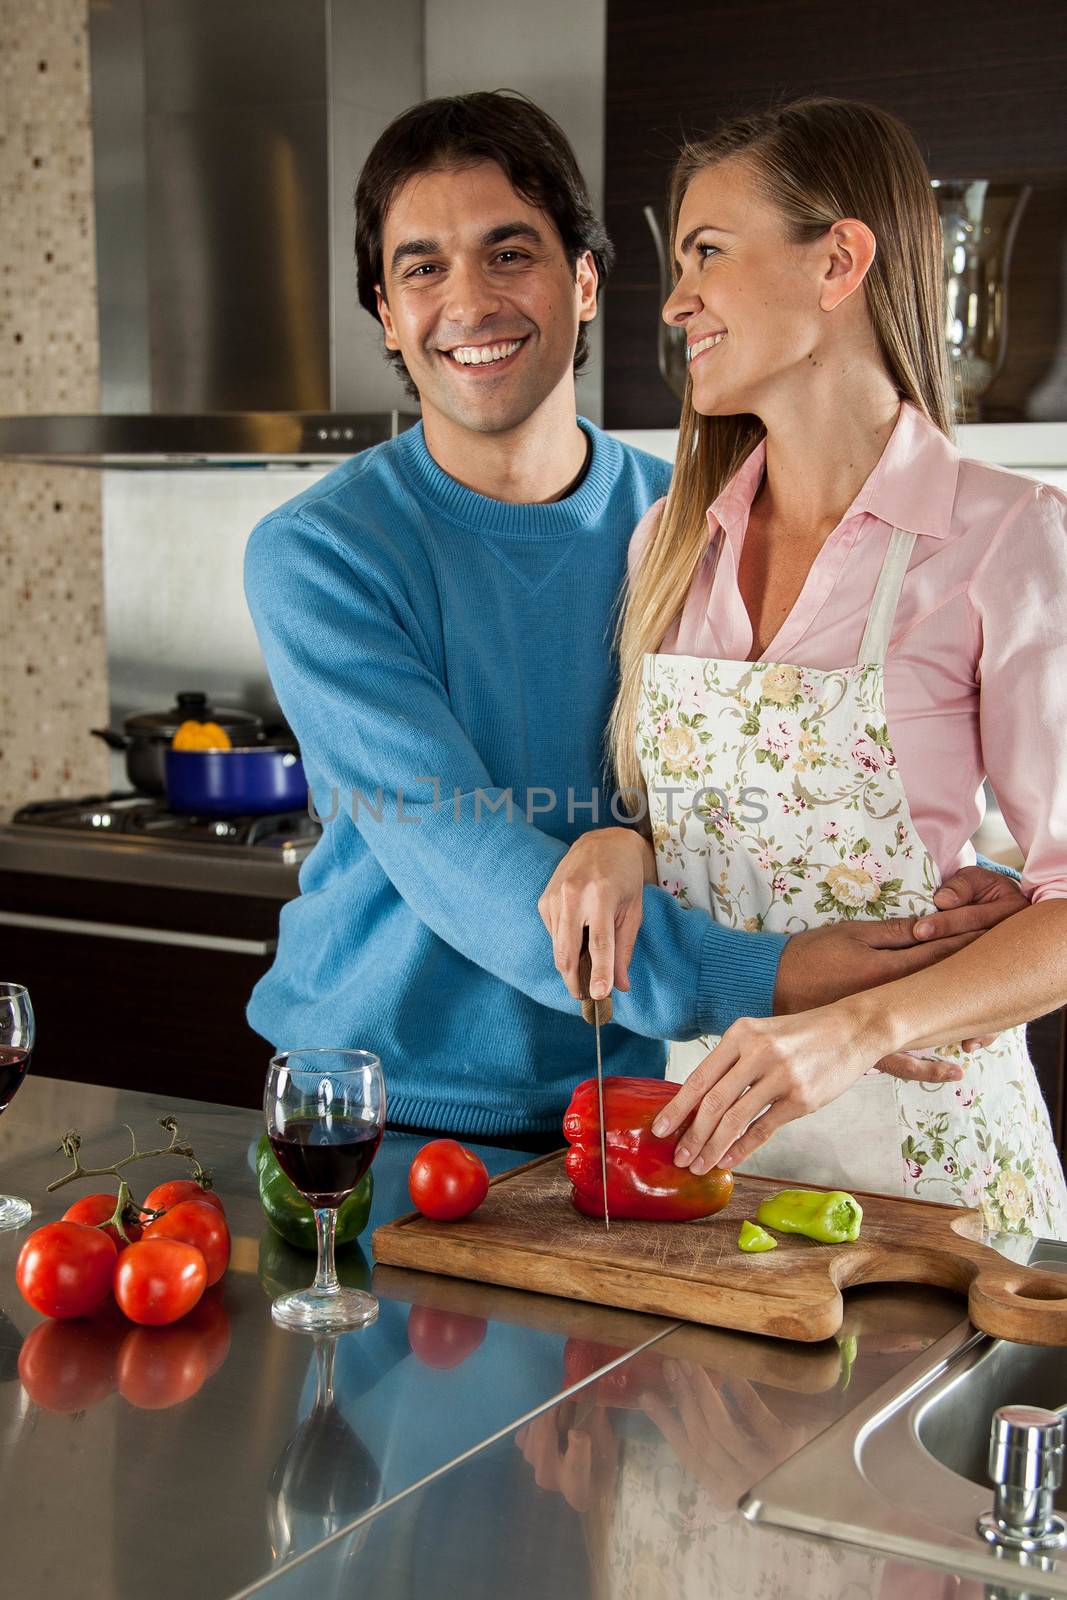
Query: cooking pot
[247, 781]
[146, 736]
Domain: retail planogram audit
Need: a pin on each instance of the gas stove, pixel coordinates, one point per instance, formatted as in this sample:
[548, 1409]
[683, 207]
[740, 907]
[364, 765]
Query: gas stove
[125, 816]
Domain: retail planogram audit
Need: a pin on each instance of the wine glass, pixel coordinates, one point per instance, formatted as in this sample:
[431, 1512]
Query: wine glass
[16, 1048]
[325, 1477]
[325, 1114]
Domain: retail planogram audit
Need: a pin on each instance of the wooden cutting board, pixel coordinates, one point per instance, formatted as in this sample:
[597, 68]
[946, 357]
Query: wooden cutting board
[527, 1235]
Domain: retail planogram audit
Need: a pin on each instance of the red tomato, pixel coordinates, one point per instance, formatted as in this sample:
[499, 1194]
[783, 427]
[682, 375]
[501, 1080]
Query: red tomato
[92, 1209]
[168, 1194]
[446, 1181]
[64, 1269]
[70, 1366]
[161, 1367]
[159, 1280]
[197, 1224]
[444, 1339]
[210, 1319]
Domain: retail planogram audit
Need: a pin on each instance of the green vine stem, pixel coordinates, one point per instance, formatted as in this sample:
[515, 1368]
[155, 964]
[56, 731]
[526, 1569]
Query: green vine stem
[70, 1146]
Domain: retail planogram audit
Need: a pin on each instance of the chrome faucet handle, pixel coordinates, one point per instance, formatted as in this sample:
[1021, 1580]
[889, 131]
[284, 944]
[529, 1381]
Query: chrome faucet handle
[1026, 1445]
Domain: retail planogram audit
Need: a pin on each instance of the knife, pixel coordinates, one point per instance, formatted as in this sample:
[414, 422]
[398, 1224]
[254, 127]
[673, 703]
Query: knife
[596, 1011]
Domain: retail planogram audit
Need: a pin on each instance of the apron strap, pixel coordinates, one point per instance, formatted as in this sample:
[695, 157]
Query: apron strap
[879, 627]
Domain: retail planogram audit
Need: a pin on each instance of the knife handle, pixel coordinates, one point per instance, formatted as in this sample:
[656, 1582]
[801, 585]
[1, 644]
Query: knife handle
[585, 967]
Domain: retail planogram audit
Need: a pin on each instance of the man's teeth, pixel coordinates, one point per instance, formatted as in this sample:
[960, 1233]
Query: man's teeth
[694, 350]
[480, 355]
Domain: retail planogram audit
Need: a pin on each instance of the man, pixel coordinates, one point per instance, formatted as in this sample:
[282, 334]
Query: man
[436, 615]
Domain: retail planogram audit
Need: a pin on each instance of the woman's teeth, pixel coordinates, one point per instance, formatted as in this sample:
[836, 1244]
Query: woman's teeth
[480, 355]
[694, 350]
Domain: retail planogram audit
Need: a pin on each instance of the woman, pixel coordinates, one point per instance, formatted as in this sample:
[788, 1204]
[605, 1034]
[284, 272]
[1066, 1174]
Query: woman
[835, 628]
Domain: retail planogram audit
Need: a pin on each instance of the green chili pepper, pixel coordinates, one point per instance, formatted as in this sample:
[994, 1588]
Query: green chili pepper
[290, 1215]
[848, 1347]
[753, 1239]
[832, 1218]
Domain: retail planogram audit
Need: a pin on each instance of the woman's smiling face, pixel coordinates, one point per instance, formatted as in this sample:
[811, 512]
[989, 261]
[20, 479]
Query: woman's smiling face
[748, 297]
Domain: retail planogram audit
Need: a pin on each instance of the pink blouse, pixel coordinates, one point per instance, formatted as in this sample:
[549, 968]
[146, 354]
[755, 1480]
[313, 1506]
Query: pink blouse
[976, 675]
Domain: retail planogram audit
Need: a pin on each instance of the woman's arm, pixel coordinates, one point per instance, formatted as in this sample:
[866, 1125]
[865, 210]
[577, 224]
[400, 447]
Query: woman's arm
[767, 1071]
[1013, 973]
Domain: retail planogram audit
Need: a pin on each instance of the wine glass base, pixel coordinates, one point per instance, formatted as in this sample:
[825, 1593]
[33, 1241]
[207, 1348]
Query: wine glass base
[324, 1310]
[14, 1213]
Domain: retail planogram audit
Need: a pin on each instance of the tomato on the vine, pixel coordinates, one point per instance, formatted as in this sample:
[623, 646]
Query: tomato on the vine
[166, 1195]
[200, 1225]
[446, 1181]
[93, 1209]
[159, 1280]
[210, 1320]
[161, 1367]
[64, 1269]
[65, 1366]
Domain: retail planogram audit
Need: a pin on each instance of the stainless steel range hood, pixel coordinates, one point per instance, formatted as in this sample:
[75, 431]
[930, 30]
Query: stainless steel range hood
[227, 135]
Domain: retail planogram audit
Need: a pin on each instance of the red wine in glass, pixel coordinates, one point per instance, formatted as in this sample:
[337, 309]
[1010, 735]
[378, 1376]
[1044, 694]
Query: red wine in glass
[325, 1115]
[14, 1065]
[325, 1161]
[17, 1033]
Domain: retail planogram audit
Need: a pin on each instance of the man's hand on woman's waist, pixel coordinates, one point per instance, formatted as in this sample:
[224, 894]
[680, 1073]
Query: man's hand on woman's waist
[824, 964]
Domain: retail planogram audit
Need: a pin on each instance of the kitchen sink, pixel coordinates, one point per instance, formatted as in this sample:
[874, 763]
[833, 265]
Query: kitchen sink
[905, 1474]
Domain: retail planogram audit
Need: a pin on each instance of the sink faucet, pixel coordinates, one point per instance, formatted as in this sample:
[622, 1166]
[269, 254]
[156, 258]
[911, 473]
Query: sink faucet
[1026, 1446]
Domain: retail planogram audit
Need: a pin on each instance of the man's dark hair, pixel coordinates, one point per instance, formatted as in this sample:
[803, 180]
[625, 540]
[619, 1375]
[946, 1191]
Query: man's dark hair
[458, 130]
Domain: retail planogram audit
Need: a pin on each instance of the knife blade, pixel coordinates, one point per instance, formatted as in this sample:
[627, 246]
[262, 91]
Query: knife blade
[592, 1011]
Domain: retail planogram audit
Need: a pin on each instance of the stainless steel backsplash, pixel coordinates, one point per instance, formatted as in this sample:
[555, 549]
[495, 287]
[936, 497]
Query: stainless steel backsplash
[173, 557]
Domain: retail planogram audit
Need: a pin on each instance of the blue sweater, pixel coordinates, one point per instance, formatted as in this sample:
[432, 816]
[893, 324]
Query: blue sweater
[413, 631]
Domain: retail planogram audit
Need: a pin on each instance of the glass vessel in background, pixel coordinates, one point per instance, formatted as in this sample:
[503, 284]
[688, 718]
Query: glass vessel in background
[325, 1116]
[16, 1049]
[979, 220]
[670, 345]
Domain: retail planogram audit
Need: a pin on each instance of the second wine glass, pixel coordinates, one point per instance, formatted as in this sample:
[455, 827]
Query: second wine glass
[325, 1115]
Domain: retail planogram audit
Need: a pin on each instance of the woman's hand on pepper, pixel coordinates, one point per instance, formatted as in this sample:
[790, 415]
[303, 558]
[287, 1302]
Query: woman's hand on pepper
[599, 884]
[764, 1072]
[722, 1432]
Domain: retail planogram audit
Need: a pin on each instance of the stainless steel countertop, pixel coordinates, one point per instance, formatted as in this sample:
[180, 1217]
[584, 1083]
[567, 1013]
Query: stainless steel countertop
[447, 1457]
[181, 865]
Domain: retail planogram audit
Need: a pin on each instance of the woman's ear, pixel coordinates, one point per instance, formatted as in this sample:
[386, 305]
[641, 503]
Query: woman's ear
[852, 248]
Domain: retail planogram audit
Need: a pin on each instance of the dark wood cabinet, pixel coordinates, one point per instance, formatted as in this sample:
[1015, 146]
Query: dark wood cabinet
[156, 1004]
[1047, 1041]
[980, 84]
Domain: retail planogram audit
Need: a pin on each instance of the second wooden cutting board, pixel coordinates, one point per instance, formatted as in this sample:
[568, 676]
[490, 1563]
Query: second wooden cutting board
[527, 1235]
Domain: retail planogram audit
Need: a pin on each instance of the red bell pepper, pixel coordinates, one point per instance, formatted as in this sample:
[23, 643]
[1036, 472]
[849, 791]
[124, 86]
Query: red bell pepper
[624, 1385]
[643, 1181]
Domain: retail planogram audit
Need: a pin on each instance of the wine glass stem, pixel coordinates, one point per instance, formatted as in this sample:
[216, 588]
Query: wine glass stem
[326, 1232]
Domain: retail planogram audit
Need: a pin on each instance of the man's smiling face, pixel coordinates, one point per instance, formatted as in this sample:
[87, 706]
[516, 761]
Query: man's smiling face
[479, 297]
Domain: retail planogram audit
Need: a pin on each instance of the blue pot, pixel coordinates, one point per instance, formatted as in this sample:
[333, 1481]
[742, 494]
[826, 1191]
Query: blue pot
[229, 783]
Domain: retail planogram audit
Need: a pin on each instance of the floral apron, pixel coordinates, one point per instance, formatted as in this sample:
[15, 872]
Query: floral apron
[776, 804]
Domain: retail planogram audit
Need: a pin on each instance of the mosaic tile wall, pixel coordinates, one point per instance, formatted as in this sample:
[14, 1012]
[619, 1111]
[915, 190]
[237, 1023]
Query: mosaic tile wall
[53, 666]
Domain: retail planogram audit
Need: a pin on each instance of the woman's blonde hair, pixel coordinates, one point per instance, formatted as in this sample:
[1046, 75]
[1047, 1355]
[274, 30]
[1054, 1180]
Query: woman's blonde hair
[818, 160]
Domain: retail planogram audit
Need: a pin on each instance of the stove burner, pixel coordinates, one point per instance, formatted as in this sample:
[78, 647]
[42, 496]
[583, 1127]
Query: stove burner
[125, 813]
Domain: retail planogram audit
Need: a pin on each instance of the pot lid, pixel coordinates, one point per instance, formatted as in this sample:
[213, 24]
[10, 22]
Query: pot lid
[191, 705]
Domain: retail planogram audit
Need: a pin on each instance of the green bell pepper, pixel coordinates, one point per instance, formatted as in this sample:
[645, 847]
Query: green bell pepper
[282, 1267]
[290, 1215]
[829, 1218]
[754, 1239]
